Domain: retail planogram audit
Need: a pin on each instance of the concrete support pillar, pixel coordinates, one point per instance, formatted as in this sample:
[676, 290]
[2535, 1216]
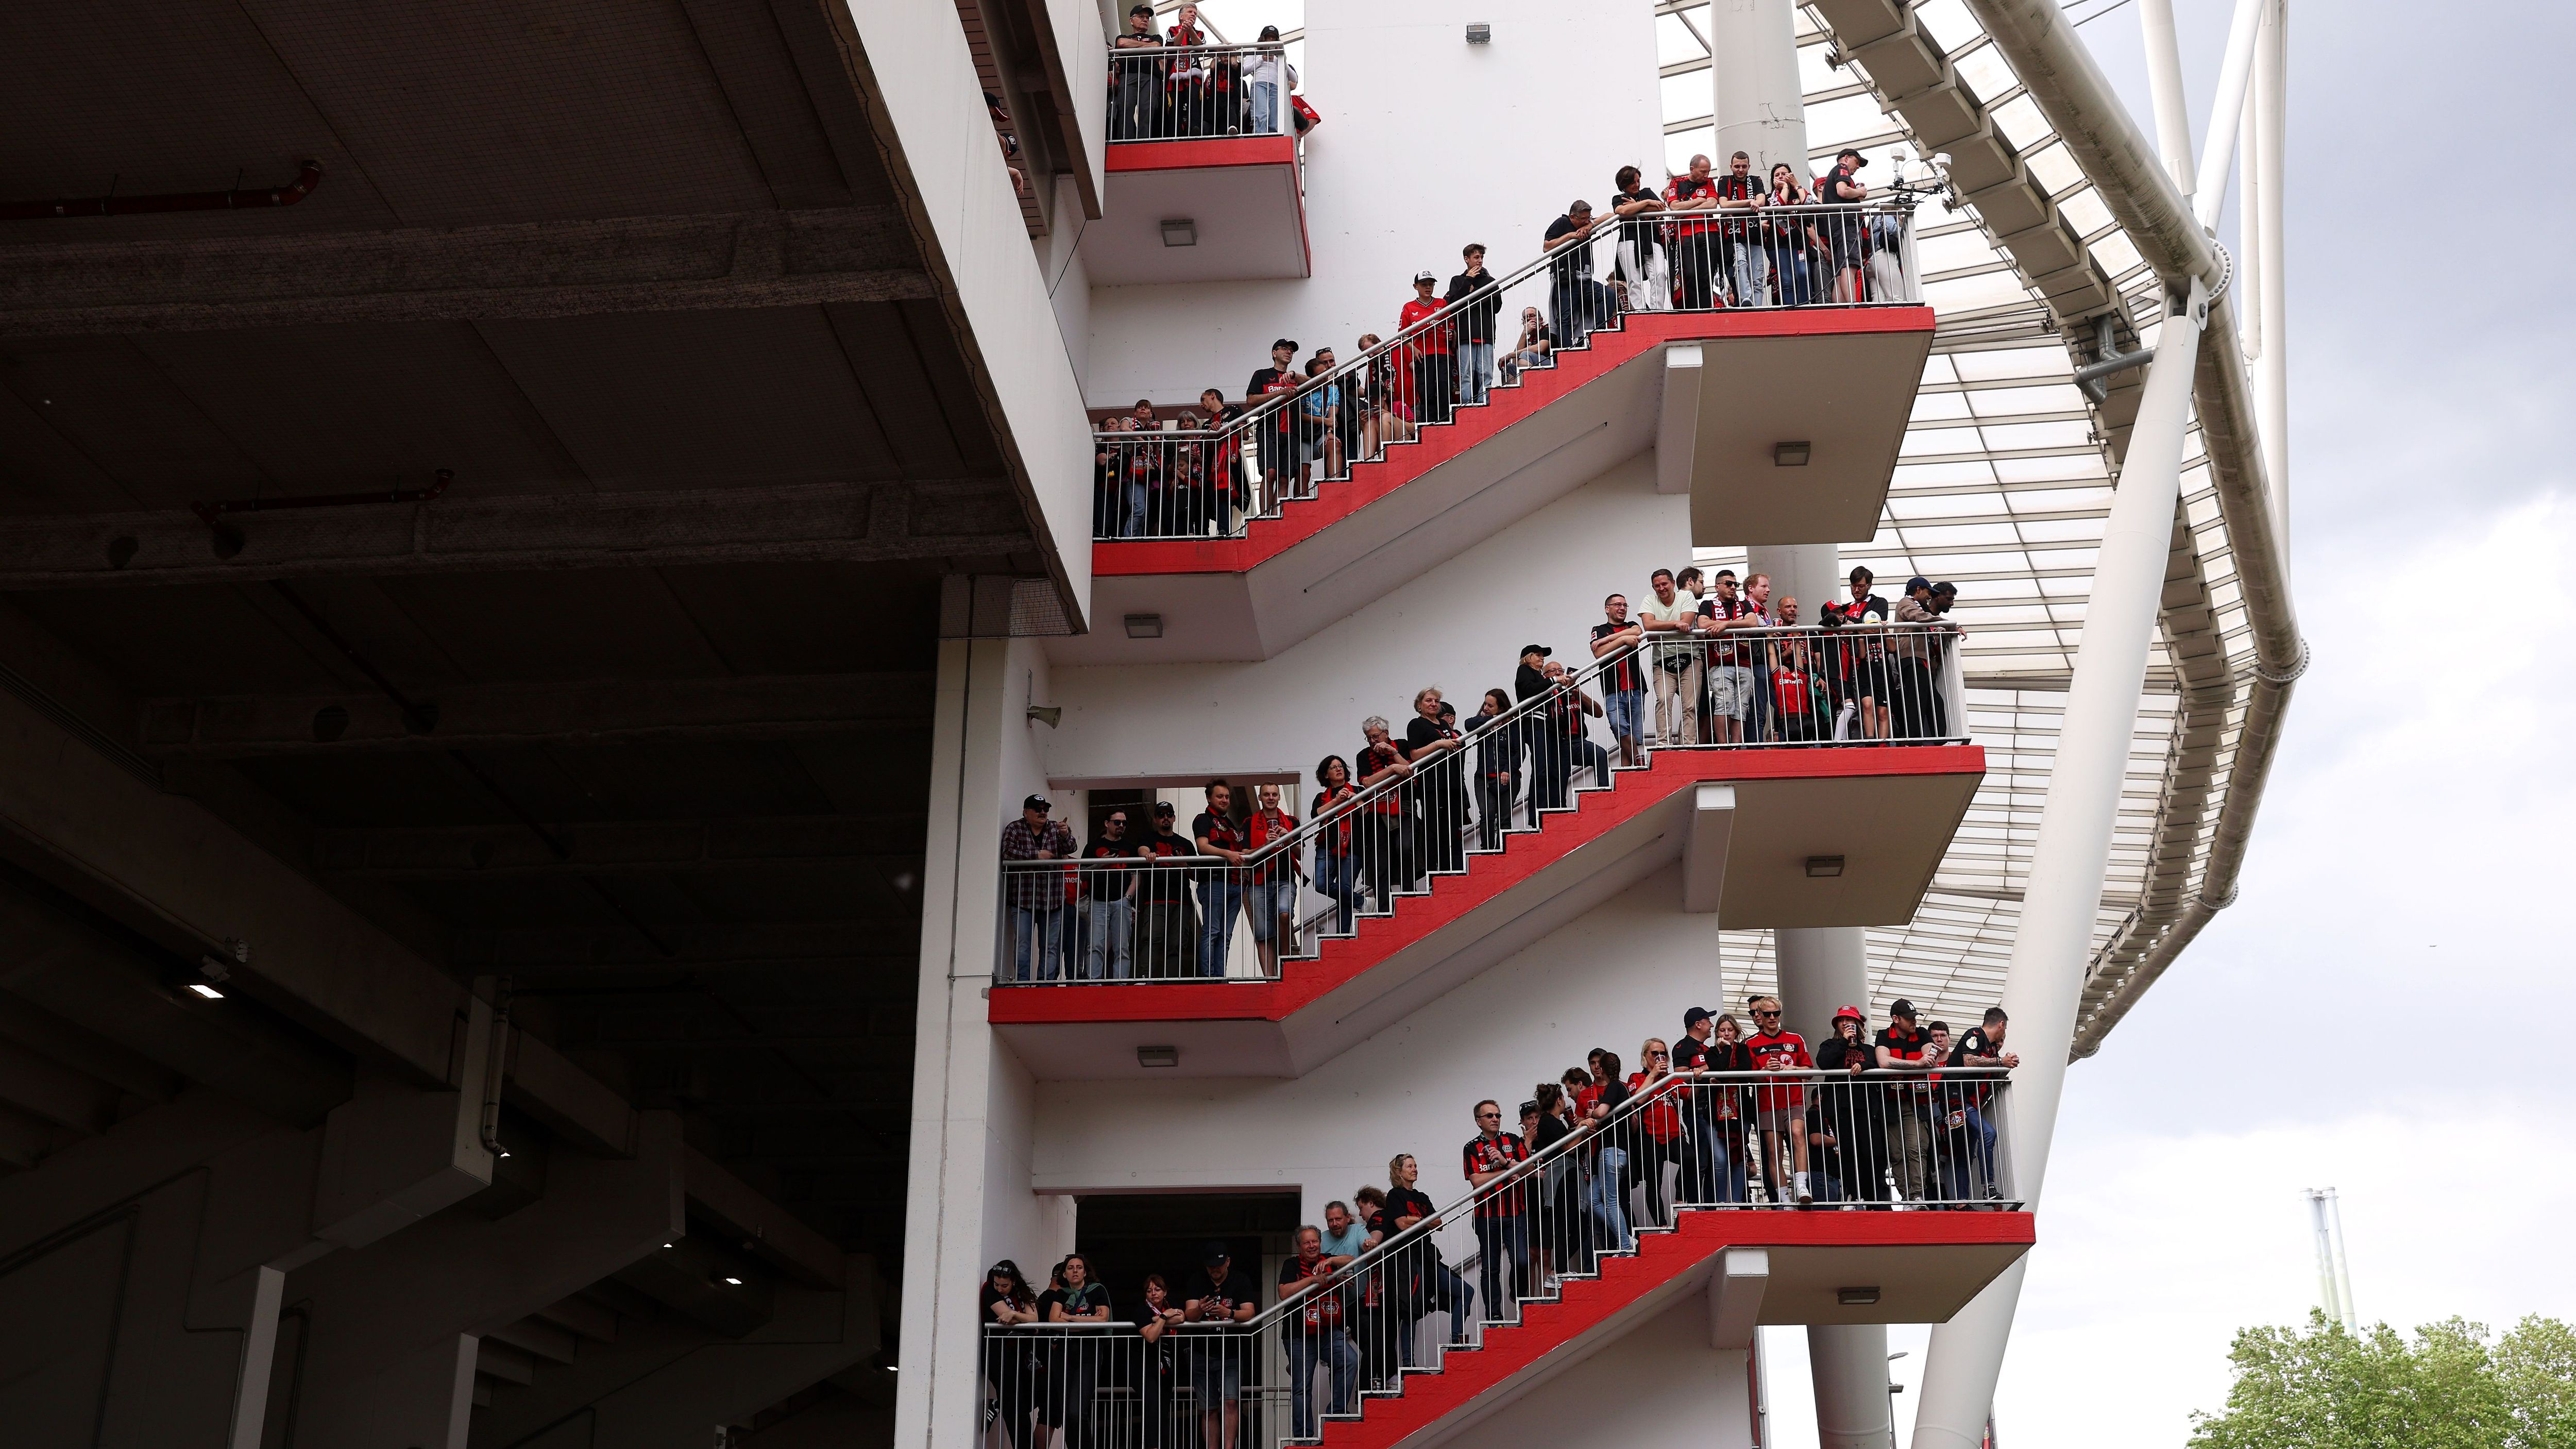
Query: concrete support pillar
[969, 1098]
[1821, 968]
[2044, 984]
[2272, 369]
[1811, 573]
[1849, 1364]
[1760, 107]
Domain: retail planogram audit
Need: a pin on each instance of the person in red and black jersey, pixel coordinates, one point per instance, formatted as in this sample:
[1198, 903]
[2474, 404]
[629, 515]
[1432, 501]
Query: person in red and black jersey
[1694, 238]
[1433, 1288]
[1435, 377]
[1654, 1137]
[1779, 1112]
[1309, 1279]
[1862, 656]
[1272, 902]
[1338, 844]
[1502, 1228]
[1904, 1047]
[1221, 462]
[1386, 826]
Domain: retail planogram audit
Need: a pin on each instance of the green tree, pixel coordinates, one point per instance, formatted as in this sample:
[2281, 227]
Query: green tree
[2323, 1387]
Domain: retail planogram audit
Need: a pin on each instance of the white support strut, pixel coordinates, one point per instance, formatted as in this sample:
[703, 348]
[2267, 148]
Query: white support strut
[2209, 193]
[2044, 984]
[2164, 89]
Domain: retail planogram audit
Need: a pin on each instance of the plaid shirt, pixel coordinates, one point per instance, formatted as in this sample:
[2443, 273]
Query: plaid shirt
[1036, 889]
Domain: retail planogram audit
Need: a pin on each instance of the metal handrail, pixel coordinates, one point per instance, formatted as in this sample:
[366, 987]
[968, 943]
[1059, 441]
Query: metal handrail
[1606, 228]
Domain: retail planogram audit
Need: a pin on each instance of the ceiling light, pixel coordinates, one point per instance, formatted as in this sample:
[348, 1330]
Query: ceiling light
[1824, 867]
[734, 1282]
[1144, 626]
[1480, 33]
[1789, 455]
[208, 992]
[1180, 231]
[1856, 1297]
[1158, 1056]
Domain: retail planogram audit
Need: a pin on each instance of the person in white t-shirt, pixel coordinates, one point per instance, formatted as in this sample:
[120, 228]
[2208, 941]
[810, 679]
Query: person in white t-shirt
[1671, 618]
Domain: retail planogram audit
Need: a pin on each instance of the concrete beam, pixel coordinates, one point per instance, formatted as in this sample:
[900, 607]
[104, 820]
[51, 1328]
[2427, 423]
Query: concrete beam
[501, 716]
[1704, 849]
[464, 852]
[1735, 1288]
[1677, 425]
[435, 274]
[664, 1383]
[832, 522]
[763, 1227]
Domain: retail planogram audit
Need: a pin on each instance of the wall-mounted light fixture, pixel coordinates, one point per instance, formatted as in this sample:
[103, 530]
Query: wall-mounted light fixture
[1479, 33]
[1824, 867]
[1144, 626]
[1789, 455]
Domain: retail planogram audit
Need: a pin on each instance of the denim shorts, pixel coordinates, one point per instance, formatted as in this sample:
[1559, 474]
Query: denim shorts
[1625, 709]
[1730, 688]
[1266, 902]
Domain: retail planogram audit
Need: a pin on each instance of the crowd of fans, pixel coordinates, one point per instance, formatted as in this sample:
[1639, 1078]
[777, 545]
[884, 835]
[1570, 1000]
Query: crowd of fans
[1705, 241]
[1184, 84]
[1864, 1121]
[1733, 666]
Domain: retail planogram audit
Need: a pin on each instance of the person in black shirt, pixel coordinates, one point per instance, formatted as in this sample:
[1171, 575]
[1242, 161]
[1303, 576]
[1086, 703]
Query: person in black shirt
[1274, 436]
[1842, 188]
[1704, 1158]
[1636, 264]
[1904, 1047]
[1109, 903]
[1475, 299]
[1136, 79]
[1010, 1364]
[1983, 1046]
[1437, 751]
[1853, 1114]
[1156, 1318]
[1319, 1337]
[1498, 767]
[1434, 1288]
[1214, 1295]
[1073, 1370]
[1167, 931]
[1580, 308]
[1605, 1188]
[1216, 832]
[1747, 259]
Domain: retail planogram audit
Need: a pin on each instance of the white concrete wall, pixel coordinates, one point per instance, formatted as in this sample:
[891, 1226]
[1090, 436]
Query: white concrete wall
[1459, 626]
[1625, 971]
[1662, 1387]
[930, 106]
[1427, 143]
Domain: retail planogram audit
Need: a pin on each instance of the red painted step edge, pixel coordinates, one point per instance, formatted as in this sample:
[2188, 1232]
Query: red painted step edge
[1375, 938]
[1584, 1304]
[1441, 442]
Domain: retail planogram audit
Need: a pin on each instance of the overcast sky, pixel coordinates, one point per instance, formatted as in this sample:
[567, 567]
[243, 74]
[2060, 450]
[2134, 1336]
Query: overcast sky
[2376, 1012]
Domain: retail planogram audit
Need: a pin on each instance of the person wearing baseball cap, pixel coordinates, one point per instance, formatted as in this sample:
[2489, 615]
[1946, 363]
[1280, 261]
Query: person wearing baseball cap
[1841, 187]
[1704, 1156]
[1904, 1047]
[1851, 1124]
[1913, 681]
[1212, 1294]
[1435, 379]
[1166, 938]
[1039, 921]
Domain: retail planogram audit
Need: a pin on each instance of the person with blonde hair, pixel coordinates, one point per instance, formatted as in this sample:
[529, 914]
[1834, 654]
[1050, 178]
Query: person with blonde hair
[1438, 751]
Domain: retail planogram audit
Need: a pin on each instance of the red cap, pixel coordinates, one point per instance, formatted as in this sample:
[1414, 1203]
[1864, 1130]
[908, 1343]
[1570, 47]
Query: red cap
[1851, 1011]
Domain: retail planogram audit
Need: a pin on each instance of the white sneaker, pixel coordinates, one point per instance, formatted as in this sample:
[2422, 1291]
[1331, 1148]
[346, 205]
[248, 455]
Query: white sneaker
[1804, 1196]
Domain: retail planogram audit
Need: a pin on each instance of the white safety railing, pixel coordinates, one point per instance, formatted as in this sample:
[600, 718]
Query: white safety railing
[1137, 909]
[1165, 89]
[1350, 1328]
[1198, 476]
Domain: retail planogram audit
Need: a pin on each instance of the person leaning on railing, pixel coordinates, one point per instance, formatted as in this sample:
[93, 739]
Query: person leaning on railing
[1904, 1047]
[1853, 1115]
[1796, 245]
[1338, 849]
[1167, 929]
[1502, 1229]
[1498, 760]
[1270, 78]
[1432, 1288]
[1157, 1320]
[1694, 237]
[1213, 1295]
[1312, 1281]
[1010, 1364]
[1581, 304]
[1109, 902]
[1740, 241]
[1983, 1046]
[1075, 1374]
[1204, 89]
[1269, 835]
[1640, 267]
[1386, 836]
[1136, 79]
[1436, 748]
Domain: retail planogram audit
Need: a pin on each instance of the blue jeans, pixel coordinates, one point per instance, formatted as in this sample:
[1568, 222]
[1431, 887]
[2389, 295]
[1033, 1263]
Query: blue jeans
[1587, 753]
[1133, 526]
[1602, 1194]
[1626, 711]
[1982, 1134]
[1751, 265]
[1475, 371]
[1712, 1173]
[1266, 903]
[1265, 108]
[1220, 901]
[1113, 941]
[1502, 1262]
[1306, 1348]
[1043, 927]
[1338, 877]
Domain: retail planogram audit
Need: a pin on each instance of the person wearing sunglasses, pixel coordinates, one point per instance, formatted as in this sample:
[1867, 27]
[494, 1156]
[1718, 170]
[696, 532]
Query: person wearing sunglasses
[1502, 1232]
[1780, 1111]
